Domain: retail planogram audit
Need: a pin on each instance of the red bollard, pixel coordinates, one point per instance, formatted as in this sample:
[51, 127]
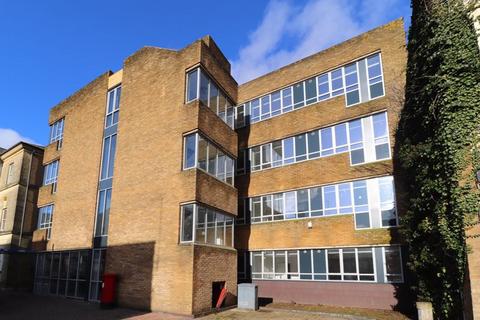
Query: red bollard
[109, 287]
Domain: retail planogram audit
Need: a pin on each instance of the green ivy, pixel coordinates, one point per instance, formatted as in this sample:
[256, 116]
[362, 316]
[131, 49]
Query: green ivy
[437, 150]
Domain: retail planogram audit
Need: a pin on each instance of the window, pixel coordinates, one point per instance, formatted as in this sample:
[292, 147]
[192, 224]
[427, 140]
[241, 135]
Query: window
[3, 220]
[387, 202]
[189, 152]
[393, 264]
[113, 107]
[351, 82]
[56, 131]
[346, 264]
[341, 81]
[360, 199]
[201, 86]
[10, 173]
[108, 157]
[205, 226]
[356, 142]
[343, 198]
[50, 173]
[375, 77]
[103, 213]
[356, 136]
[202, 154]
[380, 131]
[45, 215]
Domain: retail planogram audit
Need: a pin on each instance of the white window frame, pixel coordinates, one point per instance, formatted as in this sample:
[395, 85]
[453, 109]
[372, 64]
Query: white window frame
[399, 248]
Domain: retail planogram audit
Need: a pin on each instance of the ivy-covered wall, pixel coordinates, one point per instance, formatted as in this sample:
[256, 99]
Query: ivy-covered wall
[437, 150]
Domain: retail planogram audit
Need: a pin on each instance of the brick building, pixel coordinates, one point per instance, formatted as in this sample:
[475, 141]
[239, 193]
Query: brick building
[148, 170]
[20, 178]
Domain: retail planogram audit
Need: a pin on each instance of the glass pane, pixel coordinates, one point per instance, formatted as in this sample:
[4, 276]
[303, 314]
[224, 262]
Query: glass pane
[100, 212]
[210, 226]
[256, 208]
[200, 228]
[268, 261]
[365, 261]
[204, 88]
[265, 101]
[290, 205]
[300, 147]
[276, 103]
[380, 125]
[288, 149]
[298, 95]
[305, 261]
[287, 99]
[327, 141]
[355, 130]
[111, 97]
[341, 135]
[382, 152]
[362, 220]
[108, 201]
[187, 223]
[190, 151]
[278, 206]
[111, 161]
[202, 153]
[353, 97]
[329, 196]
[257, 262]
[313, 144]
[212, 159]
[376, 90]
[106, 149]
[280, 263]
[213, 99]
[192, 85]
[349, 261]
[255, 158]
[220, 229]
[316, 201]
[277, 153]
[333, 261]
[292, 261]
[267, 208]
[393, 260]
[345, 198]
[302, 202]
[360, 193]
[311, 90]
[266, 155]
[357, 156]
[319, 261]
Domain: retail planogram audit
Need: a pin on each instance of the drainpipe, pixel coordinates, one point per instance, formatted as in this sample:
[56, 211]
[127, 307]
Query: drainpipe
[25, 200]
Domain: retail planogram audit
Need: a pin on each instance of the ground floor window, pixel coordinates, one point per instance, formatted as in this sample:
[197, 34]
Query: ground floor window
[362, 264]
[69, 273]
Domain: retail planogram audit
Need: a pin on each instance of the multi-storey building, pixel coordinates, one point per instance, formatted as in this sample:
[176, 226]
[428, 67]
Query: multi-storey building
[20, 179]
[150, 168]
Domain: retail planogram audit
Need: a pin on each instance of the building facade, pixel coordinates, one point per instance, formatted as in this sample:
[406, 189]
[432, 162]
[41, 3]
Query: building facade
[20, 178]
[174, 177]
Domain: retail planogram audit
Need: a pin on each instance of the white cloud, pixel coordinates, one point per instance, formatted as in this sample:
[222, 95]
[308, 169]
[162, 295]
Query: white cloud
[9, 137]
[312, 27]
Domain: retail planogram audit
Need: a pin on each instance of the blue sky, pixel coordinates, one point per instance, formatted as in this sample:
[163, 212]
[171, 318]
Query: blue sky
[51, 48]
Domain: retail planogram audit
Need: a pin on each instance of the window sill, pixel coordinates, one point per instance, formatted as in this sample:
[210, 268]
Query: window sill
[185, 244]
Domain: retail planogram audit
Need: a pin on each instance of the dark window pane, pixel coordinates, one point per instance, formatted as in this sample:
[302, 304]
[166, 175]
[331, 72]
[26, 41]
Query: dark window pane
[376, 90]
[298, 96]
[292, 261]
[319, 261]
[313, 144]
[353, 97]
[204, 88]
[305, 264]
[382, 151]
[333, 261]
[349, 261]
[192, 85]
[357, 156]
[365, 261]
[302, 203]
[187, 223]
[190, 151]
[316, 201]
[362, 220]
[311, 90]
[111, 161]
[300, 147]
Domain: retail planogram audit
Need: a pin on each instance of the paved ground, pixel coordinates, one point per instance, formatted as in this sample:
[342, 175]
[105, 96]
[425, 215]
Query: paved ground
[22, 306]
